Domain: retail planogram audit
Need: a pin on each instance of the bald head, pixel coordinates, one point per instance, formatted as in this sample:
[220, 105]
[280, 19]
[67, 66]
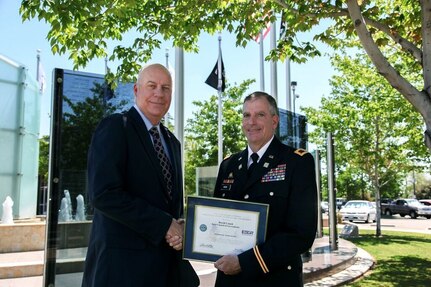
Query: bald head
[153, 92]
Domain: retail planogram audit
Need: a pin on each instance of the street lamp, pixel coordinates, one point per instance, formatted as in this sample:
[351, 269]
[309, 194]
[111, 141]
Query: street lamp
[293, 84]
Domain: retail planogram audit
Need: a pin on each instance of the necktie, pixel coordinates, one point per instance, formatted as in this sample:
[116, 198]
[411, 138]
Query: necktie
[254, 156]
[164, 161]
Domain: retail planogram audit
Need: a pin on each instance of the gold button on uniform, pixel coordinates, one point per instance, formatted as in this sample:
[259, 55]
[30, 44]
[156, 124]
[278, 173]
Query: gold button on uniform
[289, 267]
[246, 196]
[271, 193]
[223, 195]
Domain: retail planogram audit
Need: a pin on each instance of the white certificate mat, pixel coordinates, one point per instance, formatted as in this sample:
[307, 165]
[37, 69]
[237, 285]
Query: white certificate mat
[217, 227]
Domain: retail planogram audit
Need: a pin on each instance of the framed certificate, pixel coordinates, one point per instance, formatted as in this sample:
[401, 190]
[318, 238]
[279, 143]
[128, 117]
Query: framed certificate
[216, 227]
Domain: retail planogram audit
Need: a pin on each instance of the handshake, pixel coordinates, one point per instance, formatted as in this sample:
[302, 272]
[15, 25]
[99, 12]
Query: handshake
[174, 236]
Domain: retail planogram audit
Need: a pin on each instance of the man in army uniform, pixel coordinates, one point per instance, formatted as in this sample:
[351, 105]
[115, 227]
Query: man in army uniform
[268, 171]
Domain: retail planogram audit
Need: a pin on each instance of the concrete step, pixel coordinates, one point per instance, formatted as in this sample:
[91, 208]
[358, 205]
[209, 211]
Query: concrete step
[30, 263]
[21, 264]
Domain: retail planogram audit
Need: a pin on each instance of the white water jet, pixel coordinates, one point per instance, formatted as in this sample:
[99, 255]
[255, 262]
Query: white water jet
[80, 208]
[7, 215]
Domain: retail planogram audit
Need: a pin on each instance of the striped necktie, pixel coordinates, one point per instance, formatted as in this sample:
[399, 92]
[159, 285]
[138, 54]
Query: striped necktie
[164, 161]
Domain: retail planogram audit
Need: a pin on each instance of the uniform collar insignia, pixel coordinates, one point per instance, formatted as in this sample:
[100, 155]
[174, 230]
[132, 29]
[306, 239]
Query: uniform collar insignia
[230, 175]
[240, 166]
[266, 164]
[240, 158]
[271, 156]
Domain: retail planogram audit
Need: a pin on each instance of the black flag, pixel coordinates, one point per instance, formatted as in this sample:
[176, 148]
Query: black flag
[282, 26]
[212, 79]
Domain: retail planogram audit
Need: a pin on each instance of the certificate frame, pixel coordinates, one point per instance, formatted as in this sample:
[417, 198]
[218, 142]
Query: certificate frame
[203, 214]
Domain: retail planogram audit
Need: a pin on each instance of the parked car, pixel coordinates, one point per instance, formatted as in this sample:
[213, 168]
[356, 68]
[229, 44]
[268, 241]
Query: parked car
[384, 202]
[426, 202]
[324, 206]
[410, 206]
[361, 210]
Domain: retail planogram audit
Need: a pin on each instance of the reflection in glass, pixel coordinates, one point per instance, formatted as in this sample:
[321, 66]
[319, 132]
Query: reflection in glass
[81, 100]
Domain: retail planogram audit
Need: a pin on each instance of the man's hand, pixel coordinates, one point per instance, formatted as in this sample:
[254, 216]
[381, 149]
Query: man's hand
[228, 264]
[174, 236]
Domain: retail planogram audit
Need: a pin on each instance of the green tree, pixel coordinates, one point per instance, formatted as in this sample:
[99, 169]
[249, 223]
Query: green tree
[82, 28]
[201, 131]
[418, 185]
[79, 124]
[370, 124]
[43, 160]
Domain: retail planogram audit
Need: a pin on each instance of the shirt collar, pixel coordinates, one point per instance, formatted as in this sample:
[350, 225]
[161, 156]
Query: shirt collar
[260, 152]
[147, 122]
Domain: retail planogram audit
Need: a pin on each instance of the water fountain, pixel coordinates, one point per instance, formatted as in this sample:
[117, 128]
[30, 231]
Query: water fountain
[7, 215]
[80, 208]
[63, 214]
[69, 203]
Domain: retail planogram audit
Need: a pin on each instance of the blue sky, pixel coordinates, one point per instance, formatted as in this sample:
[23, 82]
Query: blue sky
[21, 40]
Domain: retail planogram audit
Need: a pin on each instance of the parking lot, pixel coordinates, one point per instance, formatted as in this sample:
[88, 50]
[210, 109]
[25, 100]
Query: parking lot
[396, 222]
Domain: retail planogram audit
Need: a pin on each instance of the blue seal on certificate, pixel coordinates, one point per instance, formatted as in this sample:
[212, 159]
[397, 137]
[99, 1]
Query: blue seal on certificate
[203, 227]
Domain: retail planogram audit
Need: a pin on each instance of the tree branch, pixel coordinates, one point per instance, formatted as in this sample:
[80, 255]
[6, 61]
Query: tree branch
[405, 44]
[419, 99]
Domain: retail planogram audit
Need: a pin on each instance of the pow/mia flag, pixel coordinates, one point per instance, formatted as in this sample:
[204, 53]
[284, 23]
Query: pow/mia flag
[212, 79]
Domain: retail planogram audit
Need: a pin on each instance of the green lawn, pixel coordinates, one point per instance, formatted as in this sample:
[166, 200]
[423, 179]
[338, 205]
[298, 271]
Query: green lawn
[403, 259]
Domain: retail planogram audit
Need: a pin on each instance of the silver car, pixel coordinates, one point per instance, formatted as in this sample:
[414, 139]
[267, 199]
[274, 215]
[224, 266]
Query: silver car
[361, 210]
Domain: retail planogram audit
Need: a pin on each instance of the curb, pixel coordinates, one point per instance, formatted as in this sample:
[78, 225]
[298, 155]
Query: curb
[364, 262]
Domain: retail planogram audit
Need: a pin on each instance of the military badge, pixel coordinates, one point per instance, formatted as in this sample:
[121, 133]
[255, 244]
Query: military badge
[275, 174]
[226, 187]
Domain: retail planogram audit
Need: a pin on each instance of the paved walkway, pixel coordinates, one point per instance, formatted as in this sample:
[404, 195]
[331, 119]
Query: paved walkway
[326, 268]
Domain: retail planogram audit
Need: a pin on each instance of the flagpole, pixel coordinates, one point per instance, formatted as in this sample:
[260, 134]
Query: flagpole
[37, 64]
[166, 117]
[106, 65]
[179, 102]
[262, 62]
[273, 63]
[288, 86]
[220, 114]
[179, 95]
[167, 58]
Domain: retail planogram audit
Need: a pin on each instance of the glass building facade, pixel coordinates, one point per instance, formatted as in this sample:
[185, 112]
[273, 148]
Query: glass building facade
[19, 137]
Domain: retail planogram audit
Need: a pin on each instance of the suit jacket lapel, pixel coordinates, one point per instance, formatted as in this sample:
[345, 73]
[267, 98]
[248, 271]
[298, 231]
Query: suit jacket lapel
[144, 137]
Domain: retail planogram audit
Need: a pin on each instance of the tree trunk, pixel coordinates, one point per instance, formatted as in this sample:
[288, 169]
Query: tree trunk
[420, 100]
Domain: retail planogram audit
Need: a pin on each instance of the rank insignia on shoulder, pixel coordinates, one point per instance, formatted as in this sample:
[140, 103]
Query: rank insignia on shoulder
[301, 151]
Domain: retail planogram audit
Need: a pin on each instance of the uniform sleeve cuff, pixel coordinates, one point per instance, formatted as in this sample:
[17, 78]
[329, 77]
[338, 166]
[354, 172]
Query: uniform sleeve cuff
[252, 262]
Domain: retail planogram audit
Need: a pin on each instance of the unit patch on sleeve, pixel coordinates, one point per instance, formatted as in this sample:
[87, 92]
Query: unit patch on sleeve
[301, 151]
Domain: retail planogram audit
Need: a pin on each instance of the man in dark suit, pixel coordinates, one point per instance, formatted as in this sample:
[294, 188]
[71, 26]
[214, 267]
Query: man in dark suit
[135, 187]
[269, 172]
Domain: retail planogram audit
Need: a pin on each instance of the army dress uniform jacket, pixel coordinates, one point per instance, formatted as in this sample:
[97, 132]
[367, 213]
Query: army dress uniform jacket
[132, 210]
[285, 179]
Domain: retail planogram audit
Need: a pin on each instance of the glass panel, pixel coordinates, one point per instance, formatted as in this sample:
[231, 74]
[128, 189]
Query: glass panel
[19, 131]
[81, 101]
[292, 129]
